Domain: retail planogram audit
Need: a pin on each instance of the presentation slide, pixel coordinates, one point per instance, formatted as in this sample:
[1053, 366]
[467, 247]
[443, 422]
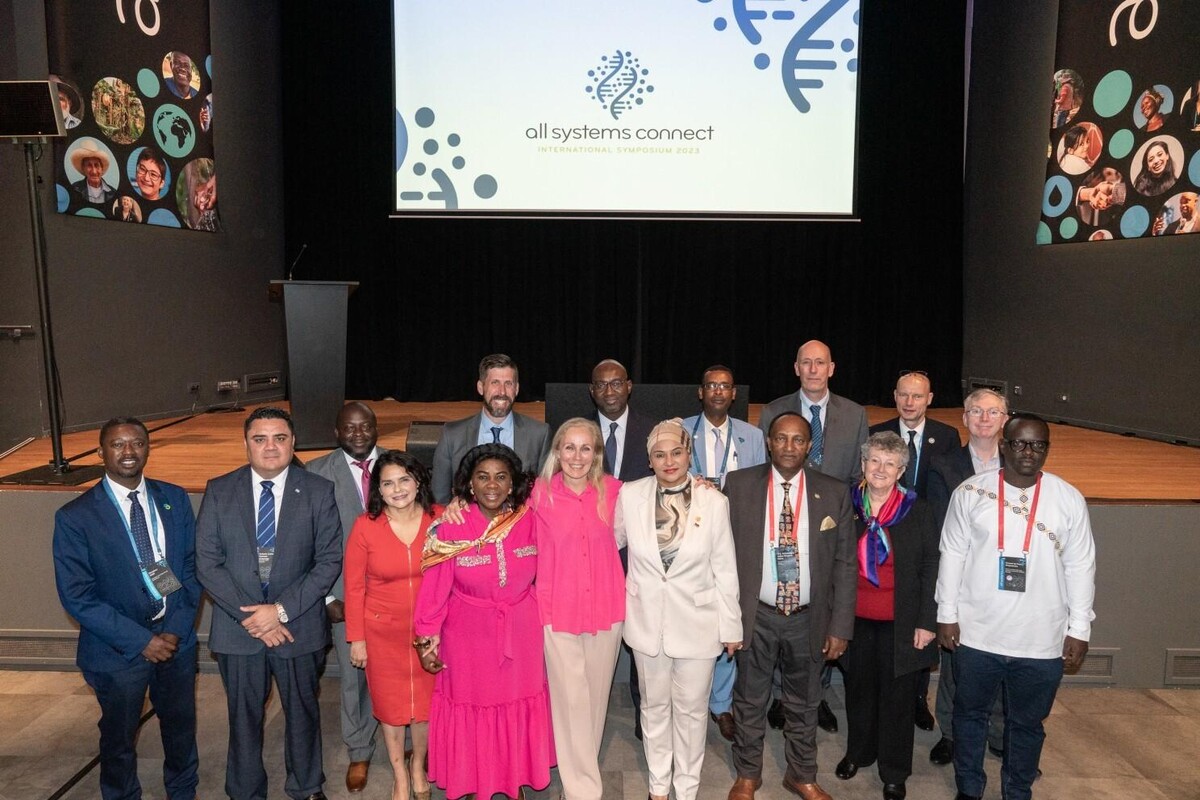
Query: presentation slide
[668, 108]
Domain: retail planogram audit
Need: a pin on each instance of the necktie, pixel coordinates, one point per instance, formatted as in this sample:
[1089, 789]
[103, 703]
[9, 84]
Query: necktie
[913, 458]
[365, 478]
[141, 538]
[817, 451]
[718, 454]
[787, 593]
[496, 435]
[610, 449]
[265, 531]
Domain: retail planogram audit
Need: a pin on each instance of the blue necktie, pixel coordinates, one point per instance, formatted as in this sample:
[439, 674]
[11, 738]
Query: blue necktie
[817, 451]
[610, 448]
[265, 531]
[141, 539]
[496, 435]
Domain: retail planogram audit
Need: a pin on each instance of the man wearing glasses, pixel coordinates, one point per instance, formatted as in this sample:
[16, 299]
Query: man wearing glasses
[1015, 589]
[620, 424]
[984, 413]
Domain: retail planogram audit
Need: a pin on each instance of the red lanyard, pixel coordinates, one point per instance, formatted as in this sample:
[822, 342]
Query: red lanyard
[772, 520]
[1037, 490]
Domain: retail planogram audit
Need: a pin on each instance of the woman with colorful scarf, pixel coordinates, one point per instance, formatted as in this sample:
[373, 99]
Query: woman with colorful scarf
[895, 616]
[477, 628]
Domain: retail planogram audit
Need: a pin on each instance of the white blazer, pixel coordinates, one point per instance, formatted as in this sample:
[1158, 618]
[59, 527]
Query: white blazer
[690, 610]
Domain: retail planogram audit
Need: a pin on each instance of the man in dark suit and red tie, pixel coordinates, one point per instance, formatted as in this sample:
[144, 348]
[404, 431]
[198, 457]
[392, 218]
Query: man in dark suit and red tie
[124, 564]
[797, 562]
[268, 550]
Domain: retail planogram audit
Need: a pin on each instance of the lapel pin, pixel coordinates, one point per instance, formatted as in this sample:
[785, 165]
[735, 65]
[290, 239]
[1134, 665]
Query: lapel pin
[297, 491]
[166, 506]
[931, 440]
[816, 496]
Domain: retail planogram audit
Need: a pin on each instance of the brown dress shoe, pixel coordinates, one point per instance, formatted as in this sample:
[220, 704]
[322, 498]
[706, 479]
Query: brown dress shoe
[356, 776]
[744, 788]
[809, 791]
[725, 725]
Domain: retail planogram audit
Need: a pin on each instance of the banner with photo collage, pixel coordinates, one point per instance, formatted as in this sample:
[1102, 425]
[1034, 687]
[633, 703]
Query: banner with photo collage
[135, 85]
[1123, 159]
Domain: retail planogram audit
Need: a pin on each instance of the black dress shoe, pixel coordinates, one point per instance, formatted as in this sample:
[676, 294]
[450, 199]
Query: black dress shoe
[775, 715]
[942, 752]
[894, 791]
[961, 796]
[317, 796]
[846, 769]
[825, 718]
[923, 719]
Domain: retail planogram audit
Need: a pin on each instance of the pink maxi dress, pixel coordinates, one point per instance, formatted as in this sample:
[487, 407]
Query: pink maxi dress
[489, 722]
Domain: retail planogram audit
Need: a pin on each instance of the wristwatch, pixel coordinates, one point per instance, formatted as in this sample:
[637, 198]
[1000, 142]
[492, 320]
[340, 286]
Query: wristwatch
[283, 617]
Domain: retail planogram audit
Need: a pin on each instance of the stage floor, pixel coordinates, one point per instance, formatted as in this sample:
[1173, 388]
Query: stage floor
[1106, 467]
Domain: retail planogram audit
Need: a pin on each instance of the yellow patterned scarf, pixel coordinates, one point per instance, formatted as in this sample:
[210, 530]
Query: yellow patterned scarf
[436, 550]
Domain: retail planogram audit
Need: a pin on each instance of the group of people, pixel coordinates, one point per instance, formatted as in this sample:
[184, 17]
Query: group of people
[478, 609]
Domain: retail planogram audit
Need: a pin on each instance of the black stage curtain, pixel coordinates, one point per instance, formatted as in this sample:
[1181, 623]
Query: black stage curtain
[666, 297]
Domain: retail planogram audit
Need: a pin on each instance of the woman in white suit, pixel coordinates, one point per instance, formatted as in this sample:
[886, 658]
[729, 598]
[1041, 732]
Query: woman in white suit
[681, 605]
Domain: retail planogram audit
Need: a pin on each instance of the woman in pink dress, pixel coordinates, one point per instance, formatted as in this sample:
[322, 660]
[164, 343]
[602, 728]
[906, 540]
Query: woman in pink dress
[477, 627]
[383, 575]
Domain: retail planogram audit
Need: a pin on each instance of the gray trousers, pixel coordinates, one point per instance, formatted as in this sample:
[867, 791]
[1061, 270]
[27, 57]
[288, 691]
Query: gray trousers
[358, 721]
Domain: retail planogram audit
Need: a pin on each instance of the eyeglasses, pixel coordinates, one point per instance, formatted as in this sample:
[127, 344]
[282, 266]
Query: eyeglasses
[1019, 445]
[712, 386]
[154, 176]
[616, 384]
[976, 411]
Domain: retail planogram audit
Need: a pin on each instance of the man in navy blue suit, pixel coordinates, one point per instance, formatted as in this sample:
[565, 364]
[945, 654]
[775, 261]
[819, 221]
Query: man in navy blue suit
[268, 549]
[124, 564]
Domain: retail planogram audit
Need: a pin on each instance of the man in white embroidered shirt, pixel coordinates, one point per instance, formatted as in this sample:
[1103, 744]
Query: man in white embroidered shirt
[1014, 593]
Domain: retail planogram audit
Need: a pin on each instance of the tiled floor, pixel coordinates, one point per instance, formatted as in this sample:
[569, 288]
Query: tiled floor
[1102, 743]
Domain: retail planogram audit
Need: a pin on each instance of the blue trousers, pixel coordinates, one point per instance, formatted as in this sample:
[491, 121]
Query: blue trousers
[172, 687]
[1029, 686]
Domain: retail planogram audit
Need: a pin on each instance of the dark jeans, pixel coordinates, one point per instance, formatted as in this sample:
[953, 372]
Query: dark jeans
[1029, 686]
[945, 706]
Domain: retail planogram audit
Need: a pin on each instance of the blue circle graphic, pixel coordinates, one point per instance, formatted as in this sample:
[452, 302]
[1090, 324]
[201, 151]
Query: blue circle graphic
[419, 168]
[1068, 228]
[1060, 184]
[401, 140]
[847, 45]
[1194, 168]
[1134, 222]
[424, 117]
[1112, 93]
[173, 131]
[720, 23]
[430, 147]
[1043, 234]
[762, 61]
[485, 186]
[90, 212]
[147, 81]
[61, 197]
[160, 216]
[458, 162]
[1121, 143]
[453, 140]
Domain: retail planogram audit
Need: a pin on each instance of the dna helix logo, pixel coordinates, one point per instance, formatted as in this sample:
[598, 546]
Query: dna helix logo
[619, 82]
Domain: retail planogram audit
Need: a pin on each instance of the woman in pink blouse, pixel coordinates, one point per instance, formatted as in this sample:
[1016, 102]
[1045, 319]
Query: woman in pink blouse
[581, 597]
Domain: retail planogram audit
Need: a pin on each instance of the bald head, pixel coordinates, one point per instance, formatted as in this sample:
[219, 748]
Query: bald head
[912, 396]
[814, 367]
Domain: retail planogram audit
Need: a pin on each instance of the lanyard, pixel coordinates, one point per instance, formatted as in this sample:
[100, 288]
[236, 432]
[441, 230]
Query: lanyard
[728, 446]
[125, 519]
[1037, 490]
[772, 520]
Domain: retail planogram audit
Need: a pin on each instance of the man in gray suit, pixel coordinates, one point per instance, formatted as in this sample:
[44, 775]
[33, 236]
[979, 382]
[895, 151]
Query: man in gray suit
[798, 572]
[498, 385]
[349, 467]
[268, 549]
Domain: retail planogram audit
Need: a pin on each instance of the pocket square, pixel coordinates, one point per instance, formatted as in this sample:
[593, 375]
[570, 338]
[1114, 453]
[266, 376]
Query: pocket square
[828, 524]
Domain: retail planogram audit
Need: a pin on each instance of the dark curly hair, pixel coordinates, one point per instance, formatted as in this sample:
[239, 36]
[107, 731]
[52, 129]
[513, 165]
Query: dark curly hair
[413, 467]
[522, 482]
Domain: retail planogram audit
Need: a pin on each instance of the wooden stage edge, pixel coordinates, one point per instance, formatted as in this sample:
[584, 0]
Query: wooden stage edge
[1105, 467]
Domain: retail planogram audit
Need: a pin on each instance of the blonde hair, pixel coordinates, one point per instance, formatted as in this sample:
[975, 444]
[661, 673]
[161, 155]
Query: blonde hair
[595, 475]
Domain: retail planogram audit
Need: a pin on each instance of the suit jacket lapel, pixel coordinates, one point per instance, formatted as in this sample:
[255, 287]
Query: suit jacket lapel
[346, 483]
[164, 519]
[114, 526]
[646, 524]
[246, 500]
[292, 498]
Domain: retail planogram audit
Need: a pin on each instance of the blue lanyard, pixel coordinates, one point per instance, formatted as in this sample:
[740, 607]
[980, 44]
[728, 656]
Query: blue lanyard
[728, 446]
[125, 519]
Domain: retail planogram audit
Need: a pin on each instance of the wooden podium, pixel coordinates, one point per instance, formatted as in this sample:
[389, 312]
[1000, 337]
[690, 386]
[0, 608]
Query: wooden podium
[315, 313]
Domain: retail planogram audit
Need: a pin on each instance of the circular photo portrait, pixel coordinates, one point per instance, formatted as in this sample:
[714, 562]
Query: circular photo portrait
[118, 110]
[196, 195]
[149, 173]
[1079, 148]
[1152, 106]
[181, 75]
[126, 209]
[92, 171]
[1100, 197]
[1177, 215]
[1156, 165]
[206, 114]
[70, 101]
[1068, 97]
[1189, 106]
[1100, 236]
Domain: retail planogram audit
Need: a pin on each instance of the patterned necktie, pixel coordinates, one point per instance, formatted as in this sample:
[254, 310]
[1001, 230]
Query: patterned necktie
[914, 459]
[610, 449]
[265, 531]
[141, 538]
[364, 479]
[718, 454]
[496, 435]
[817, 451]
[787, 594]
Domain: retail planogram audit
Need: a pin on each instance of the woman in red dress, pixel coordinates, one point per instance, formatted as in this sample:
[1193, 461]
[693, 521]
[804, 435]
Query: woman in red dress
[382, 576]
